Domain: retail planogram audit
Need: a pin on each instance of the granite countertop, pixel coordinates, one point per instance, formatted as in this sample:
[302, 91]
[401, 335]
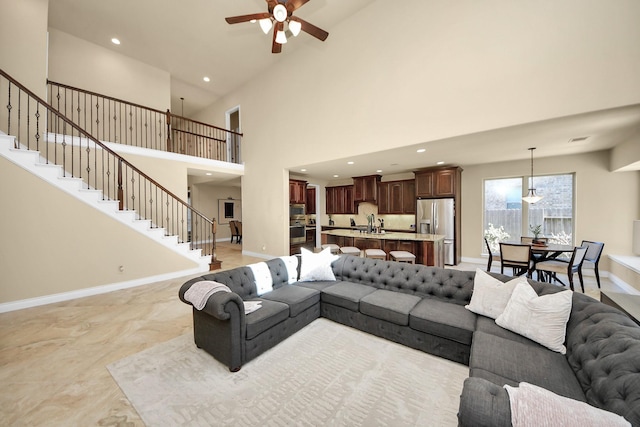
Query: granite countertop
[392, 235]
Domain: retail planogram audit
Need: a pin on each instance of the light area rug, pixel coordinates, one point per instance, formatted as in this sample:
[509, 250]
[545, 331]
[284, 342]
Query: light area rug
[327, 374]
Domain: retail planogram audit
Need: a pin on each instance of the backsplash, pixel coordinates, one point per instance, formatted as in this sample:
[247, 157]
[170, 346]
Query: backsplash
[396, 222]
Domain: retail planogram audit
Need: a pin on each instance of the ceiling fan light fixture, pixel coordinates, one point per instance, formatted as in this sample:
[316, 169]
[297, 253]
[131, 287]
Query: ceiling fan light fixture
[280, 13]
[281, 37]
[265, 25]
[295, 27]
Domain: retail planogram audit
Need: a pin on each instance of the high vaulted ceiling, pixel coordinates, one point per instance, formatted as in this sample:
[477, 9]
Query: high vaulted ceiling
[190, 39]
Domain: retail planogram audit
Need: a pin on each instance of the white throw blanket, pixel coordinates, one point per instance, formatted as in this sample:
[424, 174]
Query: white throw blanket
[262, 275]
[199, 292]
[533, 406]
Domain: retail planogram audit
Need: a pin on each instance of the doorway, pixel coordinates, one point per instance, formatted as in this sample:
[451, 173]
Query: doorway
[233, 140]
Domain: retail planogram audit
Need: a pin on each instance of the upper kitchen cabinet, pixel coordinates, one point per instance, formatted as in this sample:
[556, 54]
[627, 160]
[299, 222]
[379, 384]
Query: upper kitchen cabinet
[297, 191]
[365, 188]
[438, 182]
[397, 197]
[311, 200]
[339, 200]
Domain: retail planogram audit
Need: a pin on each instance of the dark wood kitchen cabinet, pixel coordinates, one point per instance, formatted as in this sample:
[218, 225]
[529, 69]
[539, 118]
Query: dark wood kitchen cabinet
[311, 200]
[438, 182]
[397, 197]
[297, 191]
[365, 188]
[339, 200]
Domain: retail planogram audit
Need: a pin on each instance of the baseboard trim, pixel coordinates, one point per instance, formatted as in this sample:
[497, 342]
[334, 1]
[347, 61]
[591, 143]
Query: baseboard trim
[97, 290]
[258, 255]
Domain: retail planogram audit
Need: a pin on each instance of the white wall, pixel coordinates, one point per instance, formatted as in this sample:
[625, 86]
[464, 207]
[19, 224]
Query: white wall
[23, 42]
[76, 62]
[433, 70]
[54, 243]
[204, 198]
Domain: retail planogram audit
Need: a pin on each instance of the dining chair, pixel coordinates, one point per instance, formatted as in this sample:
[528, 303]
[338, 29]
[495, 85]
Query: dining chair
[232, 227]
[517, 257]
[551, 268]
[238, 231]
[491, 255]
[594, 250]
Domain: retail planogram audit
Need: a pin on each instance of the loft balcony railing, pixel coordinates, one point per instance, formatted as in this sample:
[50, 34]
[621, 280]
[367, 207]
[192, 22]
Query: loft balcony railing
[39, 126]
[114, 120]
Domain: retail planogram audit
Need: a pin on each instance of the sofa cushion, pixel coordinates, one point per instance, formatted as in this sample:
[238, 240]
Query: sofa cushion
[520, 362]
[296, 297]
[318, 286]
[346, 294]
[540, 318]
[488, 325]
[490, 295]
[443, 319]
[391, 306]
[270, 314]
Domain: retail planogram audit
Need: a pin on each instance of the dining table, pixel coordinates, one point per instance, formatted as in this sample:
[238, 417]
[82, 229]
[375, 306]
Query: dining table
[550, 251]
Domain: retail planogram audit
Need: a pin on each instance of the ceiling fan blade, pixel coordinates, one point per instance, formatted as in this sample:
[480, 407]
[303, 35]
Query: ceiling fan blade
[311, 29]
[275, 46]
[246, 18]
[295, 4]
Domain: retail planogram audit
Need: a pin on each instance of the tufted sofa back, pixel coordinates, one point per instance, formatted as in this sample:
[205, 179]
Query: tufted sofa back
[603, 349]
[416, 279]
[241, 281]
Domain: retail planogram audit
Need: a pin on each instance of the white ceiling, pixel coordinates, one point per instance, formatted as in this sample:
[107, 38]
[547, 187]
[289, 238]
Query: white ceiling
[190, 40]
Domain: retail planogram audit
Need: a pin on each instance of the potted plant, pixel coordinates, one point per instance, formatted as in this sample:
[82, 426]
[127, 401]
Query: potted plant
[536, 230]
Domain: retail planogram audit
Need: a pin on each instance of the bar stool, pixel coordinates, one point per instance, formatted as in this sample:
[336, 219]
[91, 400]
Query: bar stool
[350, 250]
[334, 248]
[375, 254]
[403, 256]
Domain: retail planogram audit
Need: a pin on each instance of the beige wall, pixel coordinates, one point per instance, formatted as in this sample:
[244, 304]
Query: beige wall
[54, 243]
[23, 42]
[204, 198]
[454, 68]
[606, 202]
[76, 62]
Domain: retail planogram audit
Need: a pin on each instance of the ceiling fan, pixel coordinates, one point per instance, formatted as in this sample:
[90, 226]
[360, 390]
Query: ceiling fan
[279, 12]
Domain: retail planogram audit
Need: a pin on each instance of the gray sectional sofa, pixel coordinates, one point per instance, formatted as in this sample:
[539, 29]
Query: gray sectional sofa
[424, 308]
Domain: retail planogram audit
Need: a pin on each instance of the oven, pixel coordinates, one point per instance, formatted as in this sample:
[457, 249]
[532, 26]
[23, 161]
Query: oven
[297, 230]
[296, 209]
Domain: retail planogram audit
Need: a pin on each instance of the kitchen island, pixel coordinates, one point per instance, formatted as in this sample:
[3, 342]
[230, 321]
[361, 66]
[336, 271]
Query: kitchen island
[428, 248]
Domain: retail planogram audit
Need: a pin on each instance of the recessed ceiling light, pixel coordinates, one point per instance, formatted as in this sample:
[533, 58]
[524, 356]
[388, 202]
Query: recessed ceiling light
[206, 79]
[349, 163]
[303, 170]
[209, 174]
[379, 170]
[421, 150]
[440, 163]
[115, 41]
[336, 176]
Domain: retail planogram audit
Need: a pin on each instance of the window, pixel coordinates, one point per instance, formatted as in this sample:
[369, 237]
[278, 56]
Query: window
[507, 217]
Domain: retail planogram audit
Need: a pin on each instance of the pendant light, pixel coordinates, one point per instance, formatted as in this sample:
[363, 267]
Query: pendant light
[531, 196]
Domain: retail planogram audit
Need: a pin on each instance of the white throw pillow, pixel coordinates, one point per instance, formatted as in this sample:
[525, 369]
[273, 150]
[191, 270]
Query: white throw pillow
[490, 296]
[315, 267]
[533, 406]
[541, 319]
[292, 267]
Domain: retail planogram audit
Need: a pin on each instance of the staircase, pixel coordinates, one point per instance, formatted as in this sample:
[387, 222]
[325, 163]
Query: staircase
[32, 161]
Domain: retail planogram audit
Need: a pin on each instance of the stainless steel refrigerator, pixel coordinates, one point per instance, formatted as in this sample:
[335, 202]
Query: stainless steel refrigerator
[437, 216]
